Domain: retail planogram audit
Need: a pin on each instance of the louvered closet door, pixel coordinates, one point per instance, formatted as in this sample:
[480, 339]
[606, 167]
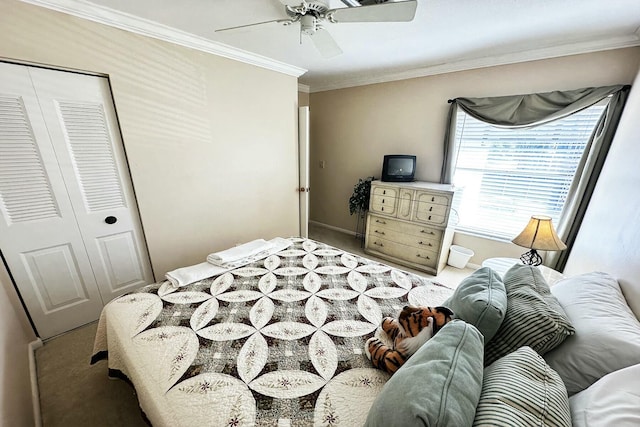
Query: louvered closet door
[80, 116]
[62, 173]
[39, 236]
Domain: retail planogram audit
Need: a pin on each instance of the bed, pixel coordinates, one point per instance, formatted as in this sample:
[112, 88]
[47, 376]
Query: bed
[278, 341]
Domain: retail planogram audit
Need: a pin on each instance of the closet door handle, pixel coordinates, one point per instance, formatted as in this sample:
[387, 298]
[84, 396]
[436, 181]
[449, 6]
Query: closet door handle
[111, 220]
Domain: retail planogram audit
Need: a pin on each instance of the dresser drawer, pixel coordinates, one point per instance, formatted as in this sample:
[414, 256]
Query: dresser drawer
[384, 205]
[426, 242]
[384, 200]
[428, 197]
[404, 232]
[428, 218]
[397, 250]
[431, 208]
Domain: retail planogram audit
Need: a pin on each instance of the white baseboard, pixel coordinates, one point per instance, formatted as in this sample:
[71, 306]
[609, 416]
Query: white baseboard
[331, 227]
[35, 393]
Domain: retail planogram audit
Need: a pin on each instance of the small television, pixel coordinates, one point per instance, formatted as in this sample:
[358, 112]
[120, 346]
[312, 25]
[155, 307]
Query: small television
[398, 168]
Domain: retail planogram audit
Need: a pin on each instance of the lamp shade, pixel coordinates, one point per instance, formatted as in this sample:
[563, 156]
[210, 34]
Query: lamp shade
[540, 234]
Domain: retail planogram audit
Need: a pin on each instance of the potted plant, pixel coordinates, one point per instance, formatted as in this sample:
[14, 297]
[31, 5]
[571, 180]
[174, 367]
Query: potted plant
[359, 202]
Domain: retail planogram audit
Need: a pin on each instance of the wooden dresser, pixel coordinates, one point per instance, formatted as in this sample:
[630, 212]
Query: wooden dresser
[409, 224]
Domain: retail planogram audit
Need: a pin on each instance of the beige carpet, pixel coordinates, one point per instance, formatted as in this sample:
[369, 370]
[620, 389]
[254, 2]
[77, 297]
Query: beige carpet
[75, 393]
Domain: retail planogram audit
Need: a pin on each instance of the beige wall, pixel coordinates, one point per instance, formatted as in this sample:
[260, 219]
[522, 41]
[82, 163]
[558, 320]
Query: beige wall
[303, 99]
[609, 238]
[211, 144]
[351, 129]
[15, 334]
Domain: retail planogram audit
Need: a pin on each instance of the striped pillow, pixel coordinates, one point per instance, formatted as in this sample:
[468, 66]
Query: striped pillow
[534, 316]
[522, 390]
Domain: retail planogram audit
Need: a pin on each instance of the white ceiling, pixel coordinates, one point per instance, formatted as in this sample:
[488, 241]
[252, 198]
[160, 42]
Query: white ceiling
[446, 35]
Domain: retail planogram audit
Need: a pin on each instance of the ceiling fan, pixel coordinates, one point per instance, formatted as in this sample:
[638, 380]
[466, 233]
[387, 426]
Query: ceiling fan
[313, 14]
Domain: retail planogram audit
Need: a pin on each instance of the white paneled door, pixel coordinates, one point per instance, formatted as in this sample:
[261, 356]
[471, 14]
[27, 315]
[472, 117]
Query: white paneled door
[69, 227]
[303, 154]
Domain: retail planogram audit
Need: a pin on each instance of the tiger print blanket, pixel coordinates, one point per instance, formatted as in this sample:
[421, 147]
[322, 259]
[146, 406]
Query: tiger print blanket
[278, 342]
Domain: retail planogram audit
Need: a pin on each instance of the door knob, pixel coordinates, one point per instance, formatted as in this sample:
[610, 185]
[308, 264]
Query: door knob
[110, 220]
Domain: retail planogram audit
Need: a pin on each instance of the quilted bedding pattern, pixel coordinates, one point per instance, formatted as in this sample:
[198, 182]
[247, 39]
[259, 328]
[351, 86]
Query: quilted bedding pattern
[278, 342]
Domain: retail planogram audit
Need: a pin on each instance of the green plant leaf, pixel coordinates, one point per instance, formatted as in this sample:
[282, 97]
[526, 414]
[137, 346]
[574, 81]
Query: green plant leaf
[359, 200]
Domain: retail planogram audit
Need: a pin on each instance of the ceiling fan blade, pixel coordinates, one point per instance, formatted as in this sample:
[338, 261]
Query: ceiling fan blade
[291, 3]
[325, 44]
[401, 11]
[257, 24]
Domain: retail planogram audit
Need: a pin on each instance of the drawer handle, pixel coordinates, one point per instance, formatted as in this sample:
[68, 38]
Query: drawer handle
[427, 232]
[429, 217]
[433, 199]
[384, 191]
[382, 208]
[379, 221]
[425, 244]
[378, 244]
[379, 232]
[423, 256]
[430, 208]
[382, 200]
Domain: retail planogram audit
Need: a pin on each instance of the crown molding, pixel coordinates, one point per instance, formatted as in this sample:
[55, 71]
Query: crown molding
[134, 24]
[631, 40]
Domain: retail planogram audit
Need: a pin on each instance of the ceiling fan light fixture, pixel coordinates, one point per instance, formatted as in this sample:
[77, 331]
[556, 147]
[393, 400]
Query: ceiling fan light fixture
[308, 25]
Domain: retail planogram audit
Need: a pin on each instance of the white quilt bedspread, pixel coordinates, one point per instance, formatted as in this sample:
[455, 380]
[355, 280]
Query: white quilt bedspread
[278, 342]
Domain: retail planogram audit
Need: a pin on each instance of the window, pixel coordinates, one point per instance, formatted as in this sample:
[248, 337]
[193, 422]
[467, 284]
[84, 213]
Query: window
[507, 175]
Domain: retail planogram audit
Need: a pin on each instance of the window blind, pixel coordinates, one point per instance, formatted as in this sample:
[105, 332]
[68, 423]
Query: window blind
[506, 175]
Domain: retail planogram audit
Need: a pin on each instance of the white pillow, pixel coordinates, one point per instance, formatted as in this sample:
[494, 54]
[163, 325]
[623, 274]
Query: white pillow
[614, 400]
[631, 292]
[607, 334]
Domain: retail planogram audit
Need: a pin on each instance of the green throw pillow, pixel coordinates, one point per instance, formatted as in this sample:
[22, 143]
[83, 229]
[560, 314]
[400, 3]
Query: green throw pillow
[480, 299]
[439, 385]
[534, 316]
[520, 389]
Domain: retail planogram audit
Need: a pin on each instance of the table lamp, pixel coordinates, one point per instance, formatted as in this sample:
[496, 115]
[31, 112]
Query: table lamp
[539, 234]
